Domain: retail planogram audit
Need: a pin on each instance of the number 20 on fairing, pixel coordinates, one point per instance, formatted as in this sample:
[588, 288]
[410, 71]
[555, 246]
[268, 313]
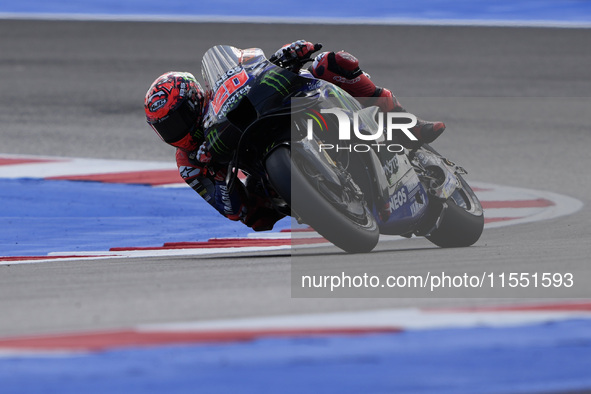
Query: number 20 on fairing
[227, 88]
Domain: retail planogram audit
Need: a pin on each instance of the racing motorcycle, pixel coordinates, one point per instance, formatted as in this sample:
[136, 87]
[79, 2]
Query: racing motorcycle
[258, 122]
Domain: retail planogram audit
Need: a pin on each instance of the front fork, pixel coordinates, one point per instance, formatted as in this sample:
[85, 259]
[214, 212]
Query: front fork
[440, 178]
[438, 174]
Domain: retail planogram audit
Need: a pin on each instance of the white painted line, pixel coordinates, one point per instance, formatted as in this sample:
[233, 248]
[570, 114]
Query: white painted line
[563, 205]
[375, 321]
[78, 166]
[297, 20]
[404, 319]
[24, 353]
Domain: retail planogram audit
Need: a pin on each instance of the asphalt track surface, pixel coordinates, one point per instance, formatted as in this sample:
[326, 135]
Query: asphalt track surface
[516, 102]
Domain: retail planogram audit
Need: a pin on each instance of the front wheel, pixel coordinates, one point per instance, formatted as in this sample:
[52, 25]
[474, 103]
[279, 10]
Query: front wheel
[344, 220]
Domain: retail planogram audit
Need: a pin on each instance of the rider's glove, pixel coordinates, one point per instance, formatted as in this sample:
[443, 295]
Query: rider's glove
[202, 155]
[203, 158]
[301, 48]
[296, 50]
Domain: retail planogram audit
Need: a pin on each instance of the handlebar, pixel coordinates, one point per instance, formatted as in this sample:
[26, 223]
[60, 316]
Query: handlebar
[294, 63]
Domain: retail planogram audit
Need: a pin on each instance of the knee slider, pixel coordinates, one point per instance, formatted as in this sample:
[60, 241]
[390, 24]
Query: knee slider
[345, 61]
[328, 64]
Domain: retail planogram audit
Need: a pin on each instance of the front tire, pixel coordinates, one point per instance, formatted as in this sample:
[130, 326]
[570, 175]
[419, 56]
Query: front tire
[462, 220]
[351, 231]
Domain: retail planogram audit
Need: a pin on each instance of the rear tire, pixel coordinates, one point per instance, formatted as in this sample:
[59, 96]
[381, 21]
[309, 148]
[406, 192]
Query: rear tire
[353, 234]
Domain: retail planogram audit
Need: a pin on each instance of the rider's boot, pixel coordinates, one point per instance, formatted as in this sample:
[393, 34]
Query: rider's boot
[259, 213]
[425, 131]
[342, 69]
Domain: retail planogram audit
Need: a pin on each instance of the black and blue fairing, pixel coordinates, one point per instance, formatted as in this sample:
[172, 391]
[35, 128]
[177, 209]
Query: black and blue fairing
[245, 89]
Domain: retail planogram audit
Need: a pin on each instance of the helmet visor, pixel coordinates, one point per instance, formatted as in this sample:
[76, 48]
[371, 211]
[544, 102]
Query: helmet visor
[177, 125]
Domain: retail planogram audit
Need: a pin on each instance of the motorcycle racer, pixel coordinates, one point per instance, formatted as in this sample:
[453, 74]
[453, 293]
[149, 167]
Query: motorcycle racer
[175, 105]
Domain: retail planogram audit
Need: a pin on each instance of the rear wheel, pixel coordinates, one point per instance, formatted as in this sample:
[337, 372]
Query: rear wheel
[336, 213]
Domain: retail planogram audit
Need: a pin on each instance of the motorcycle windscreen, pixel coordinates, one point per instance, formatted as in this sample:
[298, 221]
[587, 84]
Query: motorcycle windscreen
[221, 61]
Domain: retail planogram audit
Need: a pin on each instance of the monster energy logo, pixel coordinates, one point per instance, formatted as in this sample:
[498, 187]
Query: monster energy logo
[215, 142]
[277, 81]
